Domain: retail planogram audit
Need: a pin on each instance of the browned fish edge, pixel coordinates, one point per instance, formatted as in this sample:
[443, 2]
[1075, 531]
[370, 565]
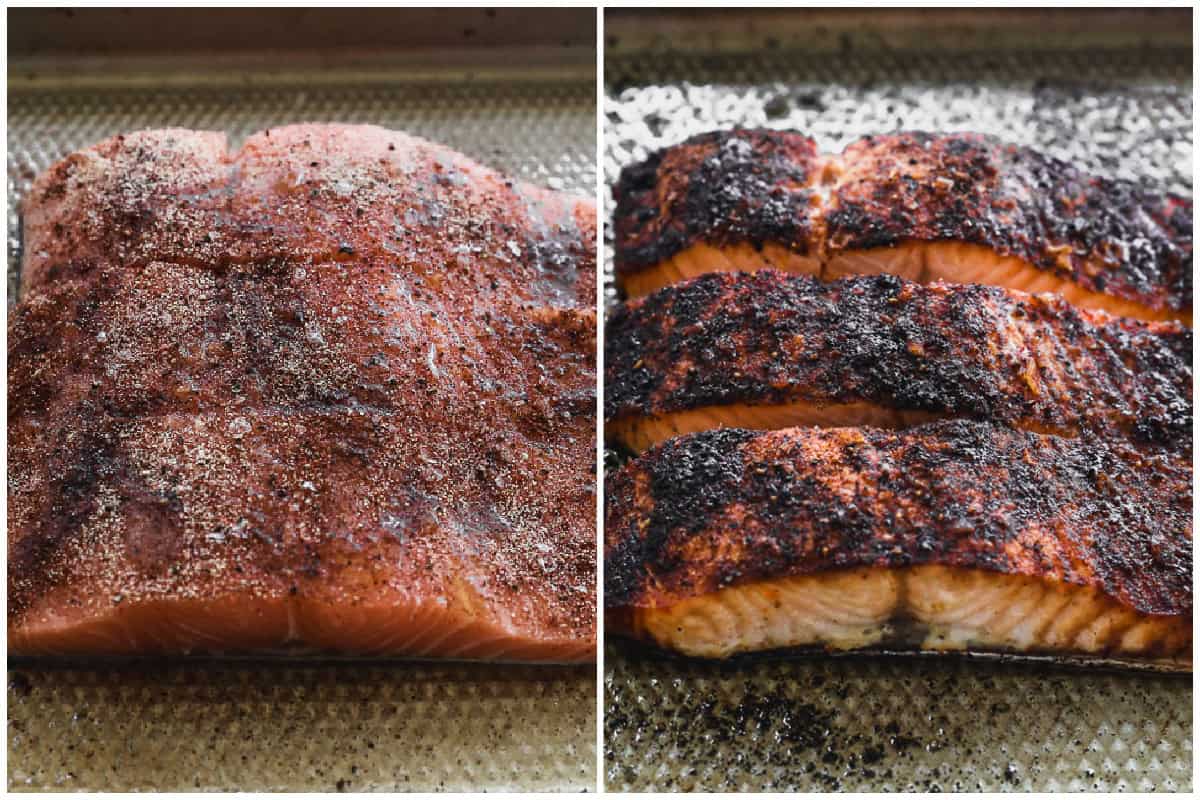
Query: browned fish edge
[721, 187]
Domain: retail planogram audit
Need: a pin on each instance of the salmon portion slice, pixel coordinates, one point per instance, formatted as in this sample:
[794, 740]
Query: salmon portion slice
[946, 536]
[958, 207]
[270, 441]
[772, 350]
[930, 608]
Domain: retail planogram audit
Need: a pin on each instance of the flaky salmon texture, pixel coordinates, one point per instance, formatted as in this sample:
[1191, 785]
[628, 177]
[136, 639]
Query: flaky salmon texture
[953, 535]
[959, 207]
[333, 391]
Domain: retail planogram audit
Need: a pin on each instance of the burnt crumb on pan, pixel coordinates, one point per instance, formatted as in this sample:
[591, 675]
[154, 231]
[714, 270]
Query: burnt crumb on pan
[855, 723]
[19, 683]
[801, 742]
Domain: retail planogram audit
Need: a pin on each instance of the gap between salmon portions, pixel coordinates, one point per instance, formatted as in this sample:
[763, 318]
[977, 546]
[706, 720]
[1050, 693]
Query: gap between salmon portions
[773, 350]
[960, 207]
[333, 391]
[949, 536]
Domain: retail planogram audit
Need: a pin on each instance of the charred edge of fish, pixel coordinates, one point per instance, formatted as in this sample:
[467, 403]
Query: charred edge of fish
[686, 483]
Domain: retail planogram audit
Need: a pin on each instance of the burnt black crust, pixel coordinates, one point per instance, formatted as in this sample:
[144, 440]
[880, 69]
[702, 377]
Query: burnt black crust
[719, 188]
[1109, 236]
[719, 508]
[693, 477]
[769, 337]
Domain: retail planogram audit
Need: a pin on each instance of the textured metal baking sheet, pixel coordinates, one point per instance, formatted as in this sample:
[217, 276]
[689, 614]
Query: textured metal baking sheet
[879, 724]
[852, 724]
[269, 727]
[263, 726]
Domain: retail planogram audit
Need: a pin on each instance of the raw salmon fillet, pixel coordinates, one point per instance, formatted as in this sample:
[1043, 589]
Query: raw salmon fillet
[333, 391]
[947, 536]
[775, 350]
[958, 207]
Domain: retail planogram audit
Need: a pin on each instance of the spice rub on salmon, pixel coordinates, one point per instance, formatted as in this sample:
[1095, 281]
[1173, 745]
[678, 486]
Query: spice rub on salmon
[958, 207]
[775, 350]
[950, 535]
[334, 391]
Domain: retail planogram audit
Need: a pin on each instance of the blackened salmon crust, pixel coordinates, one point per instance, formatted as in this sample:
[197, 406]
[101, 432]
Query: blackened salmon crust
[719, 508]
[721, 188]
[1109, 236]
[965, 351]
[757, 186]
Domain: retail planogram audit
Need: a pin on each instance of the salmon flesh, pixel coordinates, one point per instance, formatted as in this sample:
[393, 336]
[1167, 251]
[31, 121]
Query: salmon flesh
[953, 535]
[961, 207]
[773, 350]
[332, 392]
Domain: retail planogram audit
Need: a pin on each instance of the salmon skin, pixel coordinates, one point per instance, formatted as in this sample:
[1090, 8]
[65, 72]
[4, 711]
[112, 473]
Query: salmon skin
[960, 207]
[953, 535]
[775, 350]
[332, 392]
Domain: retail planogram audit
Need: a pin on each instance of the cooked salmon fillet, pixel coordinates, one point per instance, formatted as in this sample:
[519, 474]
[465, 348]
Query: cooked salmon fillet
[958, 207]
[774, 350]
[950, 535]
[333, 391]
